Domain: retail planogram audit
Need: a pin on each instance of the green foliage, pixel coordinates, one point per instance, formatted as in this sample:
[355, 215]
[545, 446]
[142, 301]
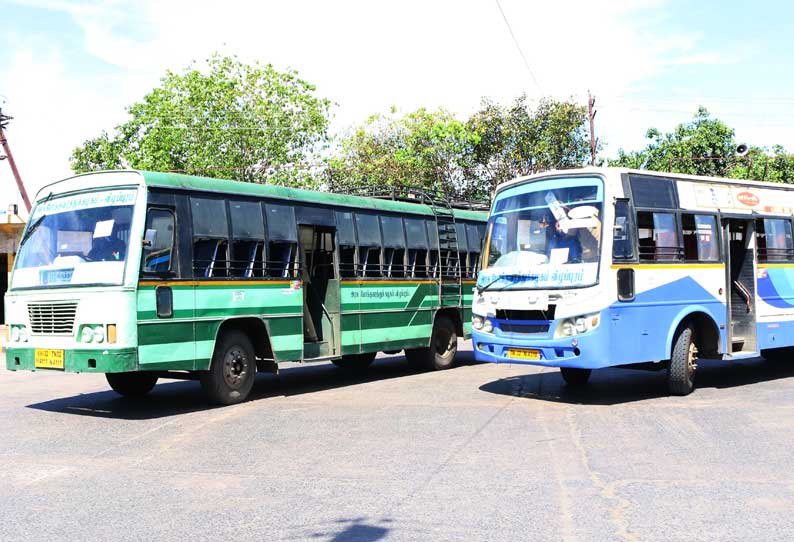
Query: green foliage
[434, 150]
[237, 121]
[423, 149]
[515, 140]
[706, 146]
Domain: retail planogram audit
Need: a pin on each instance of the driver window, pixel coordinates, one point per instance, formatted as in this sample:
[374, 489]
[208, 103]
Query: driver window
[158, 241]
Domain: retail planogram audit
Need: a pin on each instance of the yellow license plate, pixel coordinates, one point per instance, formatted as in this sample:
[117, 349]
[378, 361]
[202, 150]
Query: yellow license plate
[48, 359]
[520, 353]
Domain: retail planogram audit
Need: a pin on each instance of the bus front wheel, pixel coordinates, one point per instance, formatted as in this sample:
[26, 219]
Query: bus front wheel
[443, 347]
[131, 384]
[683, 363]
[233, 370]
[575, 378]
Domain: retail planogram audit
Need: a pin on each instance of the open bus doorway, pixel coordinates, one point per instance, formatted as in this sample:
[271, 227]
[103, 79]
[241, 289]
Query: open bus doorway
[320, 291]
[740, 276]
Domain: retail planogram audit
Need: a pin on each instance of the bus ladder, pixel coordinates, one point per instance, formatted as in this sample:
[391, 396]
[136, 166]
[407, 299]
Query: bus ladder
[450, 288]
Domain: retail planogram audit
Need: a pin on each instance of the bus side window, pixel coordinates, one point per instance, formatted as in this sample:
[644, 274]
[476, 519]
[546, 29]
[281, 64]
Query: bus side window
[248, 239]
[700, 237]
[416, 234]
[463, 249]
[658, 236]
[475, 247]
[158, 241]
[346, 235]
[433, 255]
[622, 247]
[773, 237]
[210, 238]
[394, 246]
[282, 236]
[369, 245]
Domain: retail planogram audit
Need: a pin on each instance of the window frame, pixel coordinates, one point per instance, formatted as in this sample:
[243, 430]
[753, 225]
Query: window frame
[174, 257]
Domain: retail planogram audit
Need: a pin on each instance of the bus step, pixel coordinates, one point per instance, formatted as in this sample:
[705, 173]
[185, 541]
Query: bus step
[737, 343]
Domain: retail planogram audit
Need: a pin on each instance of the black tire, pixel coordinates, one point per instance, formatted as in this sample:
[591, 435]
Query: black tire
[575, 378]
[443, 347]
[683, 363]
[355, 362]
[131, 384]
[233, 370]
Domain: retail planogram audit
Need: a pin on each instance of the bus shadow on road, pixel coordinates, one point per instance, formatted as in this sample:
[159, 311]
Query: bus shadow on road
[618, 386]
[172, 398]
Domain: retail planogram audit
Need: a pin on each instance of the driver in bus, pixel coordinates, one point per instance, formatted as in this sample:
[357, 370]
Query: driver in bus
[106, 244]
[566, 240]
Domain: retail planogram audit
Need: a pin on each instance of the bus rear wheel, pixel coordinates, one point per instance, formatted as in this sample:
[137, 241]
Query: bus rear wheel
[443, 347]
[575, 378]
[355, 362]
[683, 363]
[233, 370]
[131, 384]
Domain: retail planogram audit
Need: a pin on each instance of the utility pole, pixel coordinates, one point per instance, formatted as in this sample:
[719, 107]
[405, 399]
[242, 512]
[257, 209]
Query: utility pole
[591, 113]
[4, 142]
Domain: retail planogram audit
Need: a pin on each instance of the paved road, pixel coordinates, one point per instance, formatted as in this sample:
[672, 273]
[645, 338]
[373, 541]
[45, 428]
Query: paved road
[481, 452]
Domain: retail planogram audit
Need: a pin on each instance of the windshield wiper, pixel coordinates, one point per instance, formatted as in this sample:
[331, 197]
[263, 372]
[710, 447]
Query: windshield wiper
[33, 227]
[497, 279]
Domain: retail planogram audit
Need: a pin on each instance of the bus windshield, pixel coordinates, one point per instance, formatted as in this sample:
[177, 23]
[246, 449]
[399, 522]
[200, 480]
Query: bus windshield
[545, 234]
[76, 240]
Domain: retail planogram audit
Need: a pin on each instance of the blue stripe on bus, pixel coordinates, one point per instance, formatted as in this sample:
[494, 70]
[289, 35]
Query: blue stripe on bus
[775, 288]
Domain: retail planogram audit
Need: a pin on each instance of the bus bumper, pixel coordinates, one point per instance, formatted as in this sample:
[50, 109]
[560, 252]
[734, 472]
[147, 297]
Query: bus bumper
[119, 360]
[585, 351]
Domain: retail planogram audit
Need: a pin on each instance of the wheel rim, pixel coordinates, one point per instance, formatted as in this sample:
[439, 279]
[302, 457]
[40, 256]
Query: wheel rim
[444, 342]
[235, 368]
[691, 360]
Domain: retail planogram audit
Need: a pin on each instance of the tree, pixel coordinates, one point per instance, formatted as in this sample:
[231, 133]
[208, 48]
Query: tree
[423, 149]
[237, 121]
[516, 140]
[703, 146]
[706, 146]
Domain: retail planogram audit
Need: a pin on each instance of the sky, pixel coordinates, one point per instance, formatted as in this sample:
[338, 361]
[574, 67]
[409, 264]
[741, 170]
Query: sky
[68, 69]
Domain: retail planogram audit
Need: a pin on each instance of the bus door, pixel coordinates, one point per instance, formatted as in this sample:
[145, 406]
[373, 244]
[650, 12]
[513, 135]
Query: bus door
[321, 320]
[739, 242]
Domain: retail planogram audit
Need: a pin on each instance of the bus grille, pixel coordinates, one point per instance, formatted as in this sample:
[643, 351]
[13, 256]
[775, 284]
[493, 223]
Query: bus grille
[524, 328]
[52, 318]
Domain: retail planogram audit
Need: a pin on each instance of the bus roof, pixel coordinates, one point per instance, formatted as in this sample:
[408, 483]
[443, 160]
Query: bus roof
[206, 184]
[649, 173]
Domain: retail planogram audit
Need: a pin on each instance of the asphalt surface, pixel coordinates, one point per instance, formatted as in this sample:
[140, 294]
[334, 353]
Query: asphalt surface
[480, 452]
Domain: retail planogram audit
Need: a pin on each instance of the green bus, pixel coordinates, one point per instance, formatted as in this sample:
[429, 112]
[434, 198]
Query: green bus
[145, 275]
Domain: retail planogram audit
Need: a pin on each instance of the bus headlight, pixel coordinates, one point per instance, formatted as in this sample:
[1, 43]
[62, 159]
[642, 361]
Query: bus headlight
[99, 334]
[18, 334]
[87, 335]
[577, 325]
[487, 326]
[476, 322]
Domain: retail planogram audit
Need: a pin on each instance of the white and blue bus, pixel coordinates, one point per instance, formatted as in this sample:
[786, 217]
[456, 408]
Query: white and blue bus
[592, 268]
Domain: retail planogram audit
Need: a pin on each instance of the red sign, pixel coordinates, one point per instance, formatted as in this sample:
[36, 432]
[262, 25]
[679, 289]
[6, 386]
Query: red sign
[748, 198]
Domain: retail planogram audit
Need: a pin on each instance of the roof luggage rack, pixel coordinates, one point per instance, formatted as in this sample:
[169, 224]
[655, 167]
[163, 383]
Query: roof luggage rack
[412, 194]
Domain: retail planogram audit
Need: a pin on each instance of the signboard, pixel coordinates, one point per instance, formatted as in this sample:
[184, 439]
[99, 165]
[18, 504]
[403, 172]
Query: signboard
[735, 198]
